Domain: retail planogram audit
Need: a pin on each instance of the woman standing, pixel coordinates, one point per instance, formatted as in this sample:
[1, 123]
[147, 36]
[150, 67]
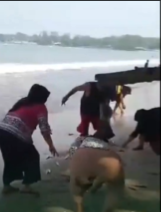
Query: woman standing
[21, 159]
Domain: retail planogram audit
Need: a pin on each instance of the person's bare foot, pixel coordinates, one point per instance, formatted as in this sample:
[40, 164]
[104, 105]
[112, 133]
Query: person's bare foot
[9, 190]
[28, 190]
[138, 148]
[122, 113]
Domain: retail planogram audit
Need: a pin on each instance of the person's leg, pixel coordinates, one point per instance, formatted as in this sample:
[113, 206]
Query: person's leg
[31, 169]
[121, 109]
[115, 186]
[117, 105]
[105, 111]
[115, 195]
[96, 124]
[12, 163]
[141, 143]
[11, 173]
[153, 138]
[115, 108]
[95, 121]
[155, 145]
[83, 128]
[78, 192]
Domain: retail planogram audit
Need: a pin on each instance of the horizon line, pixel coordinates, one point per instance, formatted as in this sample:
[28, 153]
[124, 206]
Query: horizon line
[61, 34]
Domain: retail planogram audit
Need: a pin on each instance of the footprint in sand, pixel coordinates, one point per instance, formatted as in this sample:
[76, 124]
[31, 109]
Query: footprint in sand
[154, 173]
[141, 186]
[136, 187]
[49, 157]
[70, 134]
[48, 171]
[121, 150]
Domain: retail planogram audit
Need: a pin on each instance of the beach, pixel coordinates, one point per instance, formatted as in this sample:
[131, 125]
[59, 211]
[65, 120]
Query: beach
[142, 168]
[60, 70]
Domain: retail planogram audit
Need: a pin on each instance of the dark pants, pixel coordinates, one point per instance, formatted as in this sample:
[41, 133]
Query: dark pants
[106, 114]
[21, 160]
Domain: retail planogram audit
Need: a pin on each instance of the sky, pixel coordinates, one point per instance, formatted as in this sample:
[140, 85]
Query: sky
[97, 19]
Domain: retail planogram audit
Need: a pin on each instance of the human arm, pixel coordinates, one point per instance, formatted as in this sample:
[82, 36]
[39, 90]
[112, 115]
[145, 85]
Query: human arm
[45, 130]
[132, 136]
[122, 101]
[83, 87]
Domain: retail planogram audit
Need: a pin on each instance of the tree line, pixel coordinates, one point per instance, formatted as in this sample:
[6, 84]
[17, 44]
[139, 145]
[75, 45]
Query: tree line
[125, 42]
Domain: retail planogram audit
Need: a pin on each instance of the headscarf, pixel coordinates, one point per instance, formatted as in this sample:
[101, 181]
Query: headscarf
[38, 94]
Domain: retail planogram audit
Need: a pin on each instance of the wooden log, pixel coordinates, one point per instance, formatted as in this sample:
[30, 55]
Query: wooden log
[137, 75]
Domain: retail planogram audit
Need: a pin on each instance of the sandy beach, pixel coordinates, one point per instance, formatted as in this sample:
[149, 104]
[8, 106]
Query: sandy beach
[60, 69]
[142, 169]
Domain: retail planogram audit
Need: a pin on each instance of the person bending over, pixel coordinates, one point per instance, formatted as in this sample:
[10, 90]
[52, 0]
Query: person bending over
[90, 103]
[147, 128]
[21, 159]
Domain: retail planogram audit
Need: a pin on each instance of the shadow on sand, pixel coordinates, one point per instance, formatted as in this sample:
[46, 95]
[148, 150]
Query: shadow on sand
[55, 197]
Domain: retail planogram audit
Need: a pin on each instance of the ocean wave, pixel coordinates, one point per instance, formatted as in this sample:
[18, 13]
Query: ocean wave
[21, 68]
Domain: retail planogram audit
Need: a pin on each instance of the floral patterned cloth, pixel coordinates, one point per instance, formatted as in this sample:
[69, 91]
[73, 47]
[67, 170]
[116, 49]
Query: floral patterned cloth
[17, 127]
[91, 142]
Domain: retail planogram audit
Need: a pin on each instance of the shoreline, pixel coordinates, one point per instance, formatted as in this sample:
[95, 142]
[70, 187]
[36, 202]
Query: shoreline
[136, 49]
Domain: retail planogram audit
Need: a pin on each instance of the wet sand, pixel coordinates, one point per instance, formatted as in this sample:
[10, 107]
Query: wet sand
[142, 168]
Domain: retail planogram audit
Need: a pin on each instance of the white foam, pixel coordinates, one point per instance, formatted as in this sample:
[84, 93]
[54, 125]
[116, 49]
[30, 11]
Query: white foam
[21, 68]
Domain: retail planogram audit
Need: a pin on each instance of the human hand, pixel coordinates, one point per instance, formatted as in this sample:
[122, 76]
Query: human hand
[64, 99]
[53, 151]
[122, 112]
[123, 107]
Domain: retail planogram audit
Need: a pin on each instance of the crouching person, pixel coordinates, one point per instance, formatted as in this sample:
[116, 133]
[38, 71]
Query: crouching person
[147, 128]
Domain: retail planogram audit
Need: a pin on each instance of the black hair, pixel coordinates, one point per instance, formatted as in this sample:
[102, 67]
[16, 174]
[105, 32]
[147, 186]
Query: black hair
[38, 94]
[140, 115]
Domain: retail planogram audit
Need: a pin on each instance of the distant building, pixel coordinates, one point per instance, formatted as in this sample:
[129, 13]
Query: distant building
[57, 44]
[140, 48]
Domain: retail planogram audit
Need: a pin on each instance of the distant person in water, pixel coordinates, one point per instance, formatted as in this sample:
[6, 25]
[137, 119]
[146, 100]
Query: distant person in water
[147, 128]
[121, 92]
[90, 103]
[21, 159]
[146, 64]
